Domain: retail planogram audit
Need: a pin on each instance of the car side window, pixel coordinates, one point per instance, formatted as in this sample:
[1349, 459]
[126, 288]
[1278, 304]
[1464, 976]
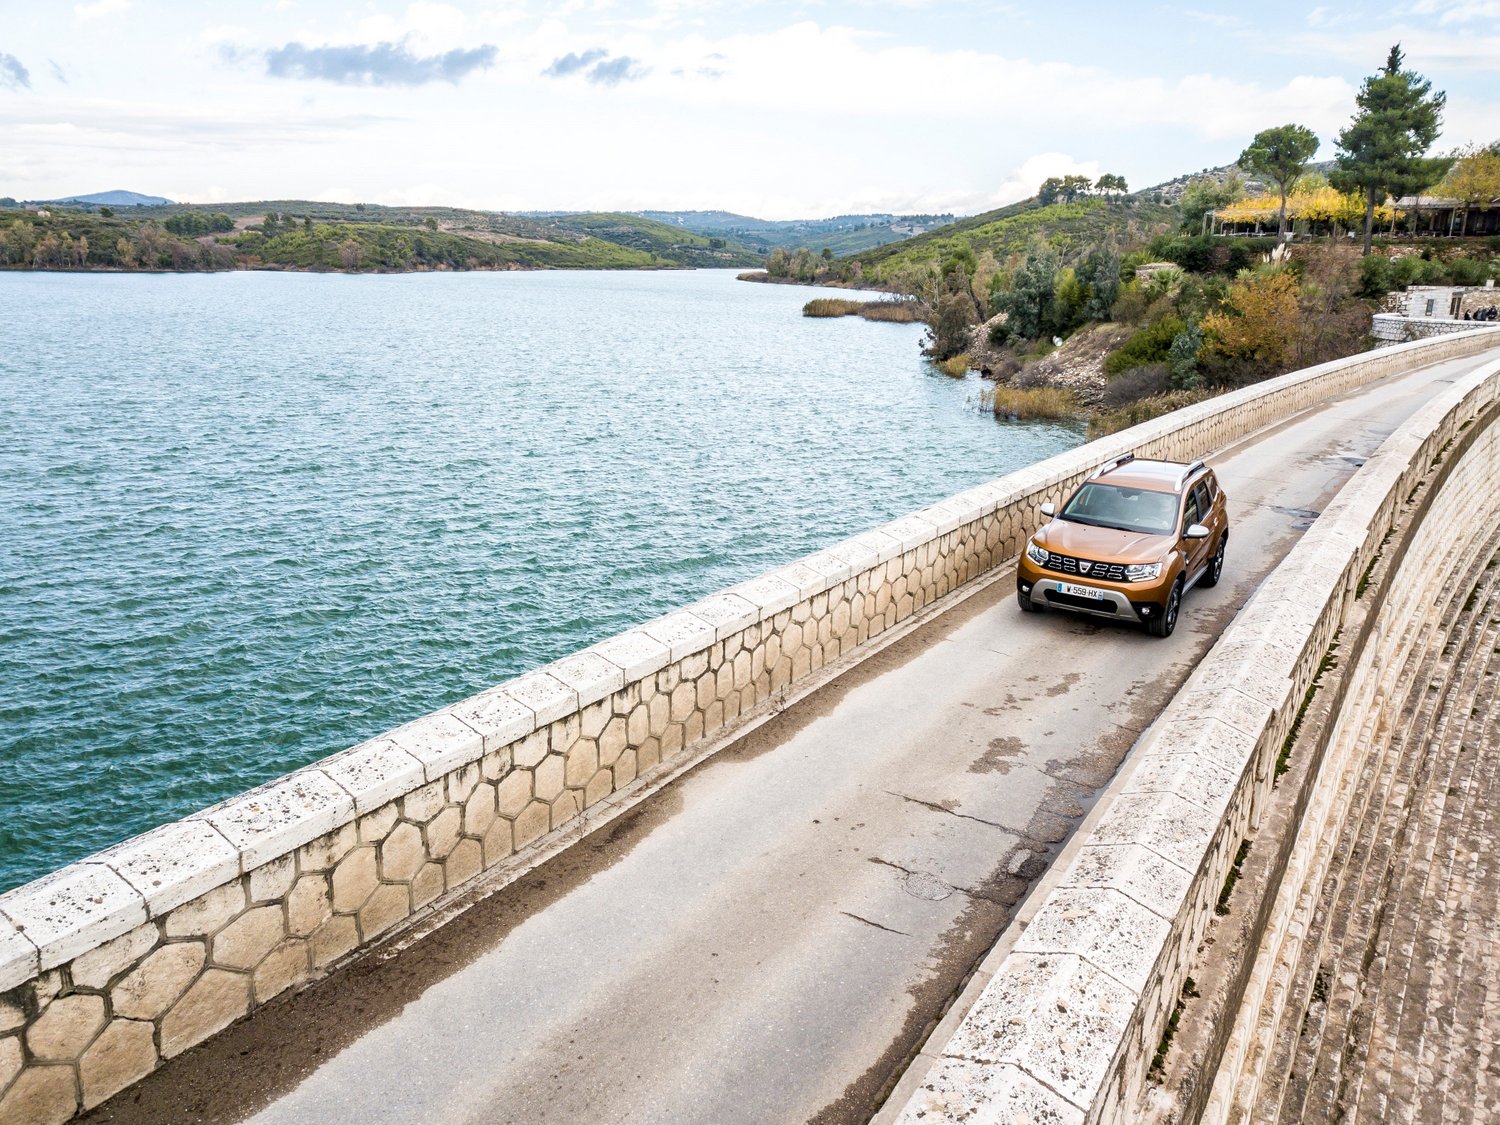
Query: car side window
[1190, 511]
[1205, 505]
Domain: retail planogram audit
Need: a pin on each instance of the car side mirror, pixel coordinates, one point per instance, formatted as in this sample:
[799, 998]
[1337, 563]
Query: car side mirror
[1196, 531]
[1049, 509]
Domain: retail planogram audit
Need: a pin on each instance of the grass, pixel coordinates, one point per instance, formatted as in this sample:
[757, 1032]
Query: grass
[1106, 422]
[1284, 759]
[1159, 1060]
[1222, 906]
[1033, 404]
[955, 366]
[1364, 579]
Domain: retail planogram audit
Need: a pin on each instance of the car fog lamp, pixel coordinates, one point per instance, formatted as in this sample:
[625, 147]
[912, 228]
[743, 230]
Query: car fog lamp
[1139, 572]
[1036, 554]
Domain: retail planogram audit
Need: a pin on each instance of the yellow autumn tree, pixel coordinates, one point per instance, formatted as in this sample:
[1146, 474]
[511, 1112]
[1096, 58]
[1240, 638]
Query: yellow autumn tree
[1313, 201]
[1474, 180]
[1259, 324]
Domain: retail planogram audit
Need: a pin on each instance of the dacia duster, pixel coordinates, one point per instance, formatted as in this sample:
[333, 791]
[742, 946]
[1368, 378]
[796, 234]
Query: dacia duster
[1131, 540]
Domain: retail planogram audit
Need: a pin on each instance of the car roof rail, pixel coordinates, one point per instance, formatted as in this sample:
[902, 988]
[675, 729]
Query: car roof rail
[1123, 459]
[1189, 471]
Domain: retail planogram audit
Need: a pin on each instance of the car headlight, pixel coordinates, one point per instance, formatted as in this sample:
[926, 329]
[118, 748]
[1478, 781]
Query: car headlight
[1036, 554]
[1140, 572]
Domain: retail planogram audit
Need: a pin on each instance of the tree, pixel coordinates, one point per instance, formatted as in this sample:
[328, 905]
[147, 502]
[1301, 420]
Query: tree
[1030, 302]
[776, 263]
[1074, 186]
[1474, 180]
[1101, 270]
[1381, 150]
[1049, 191]
[1109, 183]
[1204, 195]
[948, 328]
[1280, 155]
[106, 212]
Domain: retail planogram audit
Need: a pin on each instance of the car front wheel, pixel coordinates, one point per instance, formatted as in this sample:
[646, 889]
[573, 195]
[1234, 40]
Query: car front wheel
[1163, 625]
[1216, 566]
[1026, 604]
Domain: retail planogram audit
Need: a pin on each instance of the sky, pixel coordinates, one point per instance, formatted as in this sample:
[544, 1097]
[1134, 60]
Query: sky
[779, 109]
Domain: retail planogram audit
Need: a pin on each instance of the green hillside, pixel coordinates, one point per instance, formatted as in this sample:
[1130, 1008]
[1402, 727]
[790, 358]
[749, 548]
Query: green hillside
[1067, 227]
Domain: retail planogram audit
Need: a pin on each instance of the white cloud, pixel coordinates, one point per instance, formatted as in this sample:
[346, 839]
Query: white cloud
[82, 13]
[1457, 11]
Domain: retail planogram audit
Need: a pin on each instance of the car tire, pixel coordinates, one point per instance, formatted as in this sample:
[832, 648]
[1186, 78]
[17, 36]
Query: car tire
[1026, 604]
[1215, 565]
[1163, 625]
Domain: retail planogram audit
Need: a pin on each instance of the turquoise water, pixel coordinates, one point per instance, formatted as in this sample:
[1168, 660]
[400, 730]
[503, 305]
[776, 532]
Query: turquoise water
[249, 519]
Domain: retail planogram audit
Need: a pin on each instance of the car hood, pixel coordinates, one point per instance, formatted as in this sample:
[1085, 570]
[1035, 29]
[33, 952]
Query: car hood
[1103, 544]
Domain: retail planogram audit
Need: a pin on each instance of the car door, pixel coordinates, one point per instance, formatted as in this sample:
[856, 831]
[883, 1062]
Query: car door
[1195, 509]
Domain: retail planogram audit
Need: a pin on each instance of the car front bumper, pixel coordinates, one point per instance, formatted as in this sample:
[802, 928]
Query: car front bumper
[1136, 602]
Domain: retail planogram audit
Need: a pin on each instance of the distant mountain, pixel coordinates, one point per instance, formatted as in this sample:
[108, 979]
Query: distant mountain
[843, 234]
[115, 199]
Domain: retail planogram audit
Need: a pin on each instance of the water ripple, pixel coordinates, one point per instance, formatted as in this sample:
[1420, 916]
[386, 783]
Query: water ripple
[247, 520]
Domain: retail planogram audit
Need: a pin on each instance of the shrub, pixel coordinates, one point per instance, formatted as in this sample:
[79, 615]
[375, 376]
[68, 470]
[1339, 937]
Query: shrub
[1137, 383]
[1182, 358]
[1033, 404]
[1106, 422]
[1150, 345]
[1468, 271]
[1259, 325]
[1376, 278]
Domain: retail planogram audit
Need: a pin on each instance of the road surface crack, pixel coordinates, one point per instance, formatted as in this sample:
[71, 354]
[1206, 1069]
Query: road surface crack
[877, 925]
[935, 807]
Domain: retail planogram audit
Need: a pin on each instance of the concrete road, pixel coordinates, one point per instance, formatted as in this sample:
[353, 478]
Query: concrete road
[769, 937]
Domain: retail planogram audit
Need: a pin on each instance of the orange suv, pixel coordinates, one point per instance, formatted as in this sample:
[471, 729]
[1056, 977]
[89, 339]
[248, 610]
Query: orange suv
[1131, 540]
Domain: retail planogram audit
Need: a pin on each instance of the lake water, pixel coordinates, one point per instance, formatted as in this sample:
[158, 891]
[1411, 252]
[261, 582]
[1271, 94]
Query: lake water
[249, 519]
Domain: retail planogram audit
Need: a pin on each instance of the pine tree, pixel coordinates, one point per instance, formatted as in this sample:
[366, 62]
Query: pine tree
[1381, 152]
[1280, 154]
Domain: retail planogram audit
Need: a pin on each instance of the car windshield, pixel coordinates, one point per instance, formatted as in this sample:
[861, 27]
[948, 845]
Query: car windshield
[1129, 509]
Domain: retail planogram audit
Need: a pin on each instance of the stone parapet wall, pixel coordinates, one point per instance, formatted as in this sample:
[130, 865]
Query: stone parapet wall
[1393, 328]
[115, 963]
[1066, 1028]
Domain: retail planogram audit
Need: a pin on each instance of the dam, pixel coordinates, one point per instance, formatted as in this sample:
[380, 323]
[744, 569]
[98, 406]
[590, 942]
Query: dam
[849, 839]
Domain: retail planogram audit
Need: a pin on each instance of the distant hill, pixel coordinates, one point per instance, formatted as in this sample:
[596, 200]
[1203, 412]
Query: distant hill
[115, 199]
[843, 234]
[308, 235]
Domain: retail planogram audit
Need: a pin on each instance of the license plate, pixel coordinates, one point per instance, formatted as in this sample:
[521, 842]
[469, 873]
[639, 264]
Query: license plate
[1080, 591]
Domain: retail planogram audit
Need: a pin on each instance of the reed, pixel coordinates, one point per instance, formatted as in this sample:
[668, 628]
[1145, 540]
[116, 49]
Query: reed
[831, 306]
[955, 366]
[1034, 404]
[897, 312]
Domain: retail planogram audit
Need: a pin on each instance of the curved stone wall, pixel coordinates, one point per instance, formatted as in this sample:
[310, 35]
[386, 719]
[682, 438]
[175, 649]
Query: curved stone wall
[132, 956]
[1066, 1028]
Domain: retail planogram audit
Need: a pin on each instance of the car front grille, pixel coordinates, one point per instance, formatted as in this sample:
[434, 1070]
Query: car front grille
[1067, 564]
